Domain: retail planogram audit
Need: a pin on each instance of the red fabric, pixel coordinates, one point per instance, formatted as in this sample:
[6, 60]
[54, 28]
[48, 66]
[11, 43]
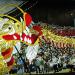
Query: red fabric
[6, 52]
[65, 32]
[11, 37]
[38, 28]
[17, 35]
[10, 62]
[28, 19]
[33, 37]
[8, 37]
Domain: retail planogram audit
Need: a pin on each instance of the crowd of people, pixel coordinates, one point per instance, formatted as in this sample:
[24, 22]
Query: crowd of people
[48, 59]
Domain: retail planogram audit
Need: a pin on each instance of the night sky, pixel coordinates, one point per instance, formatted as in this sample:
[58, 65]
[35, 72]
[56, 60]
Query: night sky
[57, 3]
[58, 12]
[61, 12]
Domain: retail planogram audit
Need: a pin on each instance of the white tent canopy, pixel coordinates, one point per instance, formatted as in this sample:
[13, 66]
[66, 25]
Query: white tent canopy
[4, 3]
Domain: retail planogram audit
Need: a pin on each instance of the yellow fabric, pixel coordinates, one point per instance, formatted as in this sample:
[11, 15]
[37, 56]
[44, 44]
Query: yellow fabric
[18, 29]
[50, 35]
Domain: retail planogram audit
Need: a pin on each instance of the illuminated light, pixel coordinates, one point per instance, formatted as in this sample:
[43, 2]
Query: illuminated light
[30, 34]
[28, 40]
[25, 39]
[14, 37]
[25, 31]
[21, 38]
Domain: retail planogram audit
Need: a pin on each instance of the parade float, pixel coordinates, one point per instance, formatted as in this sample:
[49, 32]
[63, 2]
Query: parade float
[13, 31]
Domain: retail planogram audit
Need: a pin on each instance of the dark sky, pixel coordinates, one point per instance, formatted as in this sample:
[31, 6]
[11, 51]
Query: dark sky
[55, 11]
[61, 12]
[57, 3]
